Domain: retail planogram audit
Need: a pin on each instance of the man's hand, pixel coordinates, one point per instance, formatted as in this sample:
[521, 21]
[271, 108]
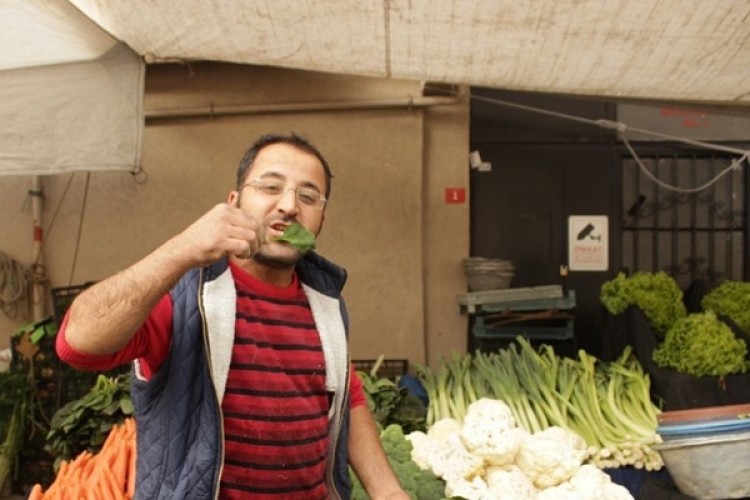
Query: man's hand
[104, 317]
[223, 230]
[368, 459]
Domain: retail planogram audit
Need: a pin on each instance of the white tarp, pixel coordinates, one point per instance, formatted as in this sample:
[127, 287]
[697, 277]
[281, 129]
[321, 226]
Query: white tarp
[682, 50]
[71, 96]
[662, 50]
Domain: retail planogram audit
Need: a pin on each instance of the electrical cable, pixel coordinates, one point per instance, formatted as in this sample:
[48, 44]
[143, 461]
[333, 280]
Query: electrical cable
[80, 229]
[59, 204]
[736, 164]
[14, 285]
[622, 129]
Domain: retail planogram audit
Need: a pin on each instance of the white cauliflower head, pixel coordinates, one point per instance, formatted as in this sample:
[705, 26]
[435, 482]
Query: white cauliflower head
[550, 457]
[474, 489]
[422, 448]
[509, 482]
[443, 428]
[491, 411]
[592, 483]
[489, 431]
[563, 491]
[451, 458]
[498, 448]
[444, 457]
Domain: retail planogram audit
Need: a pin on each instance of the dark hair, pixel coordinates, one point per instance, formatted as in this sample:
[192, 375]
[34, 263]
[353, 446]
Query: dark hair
[292, 139]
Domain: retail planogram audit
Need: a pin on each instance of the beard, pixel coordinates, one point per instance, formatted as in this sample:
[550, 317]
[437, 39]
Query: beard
[279, 258]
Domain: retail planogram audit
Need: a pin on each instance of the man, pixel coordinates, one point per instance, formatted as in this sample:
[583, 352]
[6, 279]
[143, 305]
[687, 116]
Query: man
[242, 382]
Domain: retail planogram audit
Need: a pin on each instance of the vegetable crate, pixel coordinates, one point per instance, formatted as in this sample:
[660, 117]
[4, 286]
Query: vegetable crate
[389, 368]
[62, 298]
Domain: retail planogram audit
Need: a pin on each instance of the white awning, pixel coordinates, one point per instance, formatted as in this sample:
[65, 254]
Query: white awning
[71, 95]
[71, 71]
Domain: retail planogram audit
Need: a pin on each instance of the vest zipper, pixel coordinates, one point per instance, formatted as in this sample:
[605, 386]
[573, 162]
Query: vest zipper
[335, 494]
[207, 349]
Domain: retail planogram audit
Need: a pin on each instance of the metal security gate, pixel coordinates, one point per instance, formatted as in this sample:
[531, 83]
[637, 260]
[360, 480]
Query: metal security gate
[688, 235]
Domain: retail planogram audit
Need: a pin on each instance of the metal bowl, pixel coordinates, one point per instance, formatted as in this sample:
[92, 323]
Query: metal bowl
[709, 467]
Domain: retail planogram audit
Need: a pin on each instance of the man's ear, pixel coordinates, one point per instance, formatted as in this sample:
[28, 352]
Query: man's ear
[233, 200]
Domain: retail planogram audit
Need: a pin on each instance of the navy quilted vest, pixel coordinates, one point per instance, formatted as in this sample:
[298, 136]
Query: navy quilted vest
[177, 411]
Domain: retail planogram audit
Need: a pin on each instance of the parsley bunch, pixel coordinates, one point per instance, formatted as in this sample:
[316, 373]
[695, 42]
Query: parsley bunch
[731, 299]
[656, 294]
[701, 345]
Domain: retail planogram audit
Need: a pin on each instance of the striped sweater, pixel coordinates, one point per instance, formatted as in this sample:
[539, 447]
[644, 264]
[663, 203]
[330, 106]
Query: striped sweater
[275, 403]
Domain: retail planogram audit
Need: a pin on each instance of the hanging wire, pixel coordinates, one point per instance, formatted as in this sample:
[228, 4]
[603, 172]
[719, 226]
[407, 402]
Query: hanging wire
[735, 165]
[14, 285]
[80, 229]
[622, 130]
[64, 195]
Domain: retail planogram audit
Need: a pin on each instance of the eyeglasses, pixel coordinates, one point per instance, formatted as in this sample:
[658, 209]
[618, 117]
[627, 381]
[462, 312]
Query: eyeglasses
[306, 196]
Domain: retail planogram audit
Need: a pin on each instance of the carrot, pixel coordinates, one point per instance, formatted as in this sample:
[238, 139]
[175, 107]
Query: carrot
[118, 489]
[75, 491]
[53, 491]
[120, 466]
[129, 428]
[113, 436]
[88, 469]
[36, 492]
[104, 488]
[93, 480]
[90, 493]
[62, 472]
[132, 459]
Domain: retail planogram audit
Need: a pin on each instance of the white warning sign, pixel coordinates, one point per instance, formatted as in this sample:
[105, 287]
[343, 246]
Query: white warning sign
[588, 243]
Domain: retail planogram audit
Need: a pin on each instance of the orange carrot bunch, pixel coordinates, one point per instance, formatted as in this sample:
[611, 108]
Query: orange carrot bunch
[107, 475]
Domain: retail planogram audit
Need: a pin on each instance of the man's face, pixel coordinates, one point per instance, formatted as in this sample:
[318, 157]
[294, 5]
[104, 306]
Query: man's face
[281, 165]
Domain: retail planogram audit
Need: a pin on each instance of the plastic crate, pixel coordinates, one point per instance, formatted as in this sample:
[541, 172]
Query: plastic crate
[62, 297]
[553, 330]
[390, 368]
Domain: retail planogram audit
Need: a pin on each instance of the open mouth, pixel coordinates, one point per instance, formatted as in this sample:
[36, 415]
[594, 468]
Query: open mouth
[276, 229]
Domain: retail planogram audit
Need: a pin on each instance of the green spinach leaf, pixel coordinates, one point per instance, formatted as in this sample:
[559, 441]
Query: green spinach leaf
[299, 237]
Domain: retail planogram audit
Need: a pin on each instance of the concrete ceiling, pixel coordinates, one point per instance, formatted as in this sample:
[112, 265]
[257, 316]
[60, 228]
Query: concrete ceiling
[678, 50]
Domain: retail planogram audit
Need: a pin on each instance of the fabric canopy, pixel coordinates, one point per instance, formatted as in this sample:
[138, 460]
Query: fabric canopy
[71, 95]
[71, 71]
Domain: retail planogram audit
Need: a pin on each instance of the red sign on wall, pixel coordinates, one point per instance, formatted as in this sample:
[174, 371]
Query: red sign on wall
[455, 195]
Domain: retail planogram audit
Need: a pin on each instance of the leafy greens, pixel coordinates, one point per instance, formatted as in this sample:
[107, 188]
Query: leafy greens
[299, 237]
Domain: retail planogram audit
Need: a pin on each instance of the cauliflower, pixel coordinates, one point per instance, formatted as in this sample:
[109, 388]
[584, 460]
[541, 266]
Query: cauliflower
[422, 448]
[563, 491]
[444, 428]
[551, 456]
[442, 451]
[592, 483]
[474, 489]
[451, 458]
[509, 482]
[588, 483]
[489, 432]
[488, 412]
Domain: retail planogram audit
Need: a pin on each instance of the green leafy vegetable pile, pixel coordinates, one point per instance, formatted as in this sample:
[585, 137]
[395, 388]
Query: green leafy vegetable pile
[83, 424]
[14, 401]
[701, 345]
[656, 294]
[391, 404]
[419, 484]
[299, 237]
[731, 299]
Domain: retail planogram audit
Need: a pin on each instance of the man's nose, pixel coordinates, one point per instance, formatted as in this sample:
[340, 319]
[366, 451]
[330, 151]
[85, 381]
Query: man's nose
[288, 202]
